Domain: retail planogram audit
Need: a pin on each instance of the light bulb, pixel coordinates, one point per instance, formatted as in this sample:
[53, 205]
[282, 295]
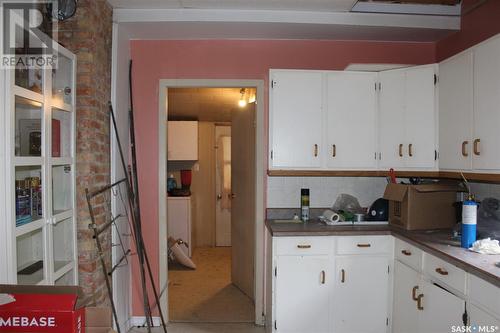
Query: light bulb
[242, 103]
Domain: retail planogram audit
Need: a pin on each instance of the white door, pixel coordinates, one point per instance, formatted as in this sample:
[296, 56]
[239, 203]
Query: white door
[392, 119]
[456, 87]
[351, 120]
[303, 291]
[440, 309]
[420, 117]
[296, 119]
[360, 299]
[406, 286]
[487, 106]
[243, 199]
[223, 186]
[478, 317]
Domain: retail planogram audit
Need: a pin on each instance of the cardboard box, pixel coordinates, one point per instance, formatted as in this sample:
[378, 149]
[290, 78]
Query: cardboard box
[40, 309]
[416, 207]
[98, 320]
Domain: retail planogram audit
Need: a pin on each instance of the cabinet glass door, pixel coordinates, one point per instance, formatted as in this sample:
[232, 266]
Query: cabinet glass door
[63, 245]
[62, 81]
[28, 197]
[62, 133]
[28, 123]
[30, 257]
[29, 78]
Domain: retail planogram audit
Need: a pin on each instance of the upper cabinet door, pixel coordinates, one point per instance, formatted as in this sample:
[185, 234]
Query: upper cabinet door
[486, 138]
[182, 140]
[391, 119]
[420, 117]
[456, 87]
[351, 120]
[296, 119]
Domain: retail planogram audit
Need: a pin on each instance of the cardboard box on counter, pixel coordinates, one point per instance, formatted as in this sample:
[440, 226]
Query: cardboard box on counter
[427, 206]
[41, 309]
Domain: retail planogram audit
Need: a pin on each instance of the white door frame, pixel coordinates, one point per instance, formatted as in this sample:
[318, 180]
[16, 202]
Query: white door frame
[260, 168]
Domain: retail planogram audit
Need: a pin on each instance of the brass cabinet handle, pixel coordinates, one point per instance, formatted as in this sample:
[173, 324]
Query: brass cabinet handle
[419, 302]
[476, 147]
[406, 252]
[323, 277]
[364, 245]
[414, 293]
[464, 148]
[342, 275]
[334, 150]
[304, 246]
[410, 149]
[315, 150]
[400, 150]
[441, 271]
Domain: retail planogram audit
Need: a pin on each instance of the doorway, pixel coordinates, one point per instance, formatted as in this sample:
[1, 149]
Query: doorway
[220, 289]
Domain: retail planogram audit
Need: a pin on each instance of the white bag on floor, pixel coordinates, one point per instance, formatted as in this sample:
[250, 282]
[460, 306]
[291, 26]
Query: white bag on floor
[181, 257]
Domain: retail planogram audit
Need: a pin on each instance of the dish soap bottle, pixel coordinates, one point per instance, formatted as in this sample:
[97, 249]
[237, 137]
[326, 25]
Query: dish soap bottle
[304, 204]
[171, 183]
[469, 222]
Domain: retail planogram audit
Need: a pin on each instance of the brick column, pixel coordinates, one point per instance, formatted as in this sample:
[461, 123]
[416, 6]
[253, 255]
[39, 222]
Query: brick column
[88, 34]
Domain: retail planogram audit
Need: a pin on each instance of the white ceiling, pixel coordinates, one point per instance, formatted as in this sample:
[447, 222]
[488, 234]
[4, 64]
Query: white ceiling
[299, 5]
[204, 104]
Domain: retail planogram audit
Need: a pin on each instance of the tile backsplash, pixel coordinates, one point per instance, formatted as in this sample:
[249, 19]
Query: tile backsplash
[284, 192]
[485, 190]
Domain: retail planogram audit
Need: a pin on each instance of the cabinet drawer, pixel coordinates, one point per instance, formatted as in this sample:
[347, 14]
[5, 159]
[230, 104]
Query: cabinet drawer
[408, 254]
[484, 294]
[364, 244]
[304, 245]
[445, 272]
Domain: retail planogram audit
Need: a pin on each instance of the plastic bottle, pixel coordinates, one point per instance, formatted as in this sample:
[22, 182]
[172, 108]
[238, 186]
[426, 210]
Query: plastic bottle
[469, 222]
[304, 204]
[171, 183]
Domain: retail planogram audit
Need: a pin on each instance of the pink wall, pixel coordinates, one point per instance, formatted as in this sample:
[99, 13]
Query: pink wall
[230, 59]
[478, 25]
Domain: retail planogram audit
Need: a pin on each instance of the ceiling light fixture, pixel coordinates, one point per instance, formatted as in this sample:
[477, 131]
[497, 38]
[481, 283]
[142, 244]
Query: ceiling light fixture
[242, 102]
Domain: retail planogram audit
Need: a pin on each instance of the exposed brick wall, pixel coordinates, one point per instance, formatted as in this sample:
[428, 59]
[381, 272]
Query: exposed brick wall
[88, 34]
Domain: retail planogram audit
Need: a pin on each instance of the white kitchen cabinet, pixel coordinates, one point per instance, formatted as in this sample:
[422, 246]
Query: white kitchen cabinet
[407, 118]
[179, 221]
[479, 317]
[303, 294]
[361, 294]
[406, 288]
[456, 112]
[182, 141]
[296, 117]
[351, 121]
[486, 133]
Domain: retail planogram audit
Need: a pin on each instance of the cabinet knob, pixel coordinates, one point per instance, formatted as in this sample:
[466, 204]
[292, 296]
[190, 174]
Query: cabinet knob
[364, 245]
[464, 148]
[419, 302]
[315, 150]
[476, 147]
[400, 150]
[441, 271]
[323, 277]
[334, 150]
[414, 293]
[307, 246]
[410, 150]
[342, 275]
[406, 252]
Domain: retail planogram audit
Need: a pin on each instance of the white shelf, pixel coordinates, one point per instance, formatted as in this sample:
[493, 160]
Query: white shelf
[28, 161]
[30, 227]
[61, 215]
[58, 161]
[26, 93]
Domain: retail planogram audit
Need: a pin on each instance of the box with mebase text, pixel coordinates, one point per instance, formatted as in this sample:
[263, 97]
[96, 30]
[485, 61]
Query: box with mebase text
[41, 309]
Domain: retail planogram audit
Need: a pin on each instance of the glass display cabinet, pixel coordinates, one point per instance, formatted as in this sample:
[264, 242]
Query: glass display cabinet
[37, 179]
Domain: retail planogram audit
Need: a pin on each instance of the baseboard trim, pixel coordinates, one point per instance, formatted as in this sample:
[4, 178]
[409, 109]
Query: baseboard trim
[140, 321]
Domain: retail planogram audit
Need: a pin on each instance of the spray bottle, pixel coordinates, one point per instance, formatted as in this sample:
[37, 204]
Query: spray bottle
[469, 220]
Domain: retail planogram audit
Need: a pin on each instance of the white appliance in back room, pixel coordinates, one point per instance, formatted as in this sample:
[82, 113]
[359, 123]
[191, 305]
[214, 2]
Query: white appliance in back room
[179, 220]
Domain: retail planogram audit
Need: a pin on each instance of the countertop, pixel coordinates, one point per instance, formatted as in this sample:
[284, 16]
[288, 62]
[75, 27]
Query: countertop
[436, 242]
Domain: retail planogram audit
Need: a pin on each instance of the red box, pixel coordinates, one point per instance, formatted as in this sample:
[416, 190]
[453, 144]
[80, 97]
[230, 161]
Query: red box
[41, 309]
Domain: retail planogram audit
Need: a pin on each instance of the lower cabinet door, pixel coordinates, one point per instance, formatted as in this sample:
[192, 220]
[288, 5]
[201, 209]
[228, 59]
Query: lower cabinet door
[406, 288]
[439, 309]
[303, 294]
[481, 319]
[361, 294]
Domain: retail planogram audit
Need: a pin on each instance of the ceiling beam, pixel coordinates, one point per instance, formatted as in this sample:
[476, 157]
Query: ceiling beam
[270, 16]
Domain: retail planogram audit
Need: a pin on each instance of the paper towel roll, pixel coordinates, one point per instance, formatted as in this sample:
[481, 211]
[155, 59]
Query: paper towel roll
[331, 216]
